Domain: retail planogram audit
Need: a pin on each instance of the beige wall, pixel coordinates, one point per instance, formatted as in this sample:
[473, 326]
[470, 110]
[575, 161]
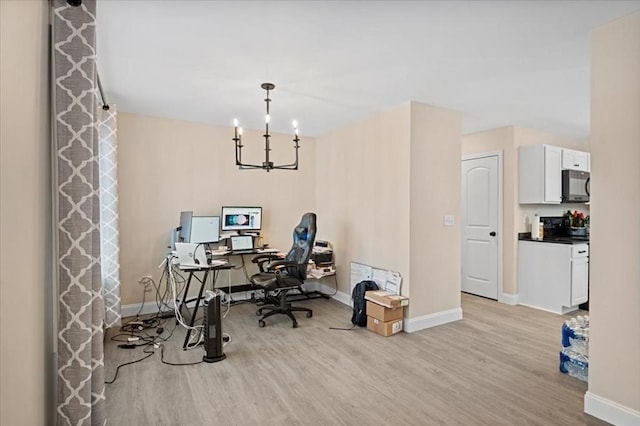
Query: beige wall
[614, 351]
[25, 188]
[362, 192]
[435, 249]
[517, 218]
[384, 185]
[167, 166]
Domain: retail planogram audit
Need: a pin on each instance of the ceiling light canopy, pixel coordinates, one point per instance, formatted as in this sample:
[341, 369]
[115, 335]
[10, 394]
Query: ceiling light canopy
[267, 164]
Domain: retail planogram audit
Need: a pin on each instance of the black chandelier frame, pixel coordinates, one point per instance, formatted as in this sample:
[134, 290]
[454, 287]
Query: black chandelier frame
[267, 164]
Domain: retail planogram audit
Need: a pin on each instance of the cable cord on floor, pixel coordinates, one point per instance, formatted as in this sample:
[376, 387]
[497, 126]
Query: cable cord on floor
[108, 382]
[174, 363]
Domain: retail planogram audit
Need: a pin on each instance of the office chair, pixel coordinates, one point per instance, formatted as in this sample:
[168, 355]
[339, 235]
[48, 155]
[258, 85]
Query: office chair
[278, 277]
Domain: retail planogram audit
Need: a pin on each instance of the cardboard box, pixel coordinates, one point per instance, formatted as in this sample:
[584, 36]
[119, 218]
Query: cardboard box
[387, 299]
[384, 328]
[383, 313]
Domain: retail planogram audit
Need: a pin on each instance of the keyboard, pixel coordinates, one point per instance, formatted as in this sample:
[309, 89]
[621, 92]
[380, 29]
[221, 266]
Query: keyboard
[250, 251]
[268, 251]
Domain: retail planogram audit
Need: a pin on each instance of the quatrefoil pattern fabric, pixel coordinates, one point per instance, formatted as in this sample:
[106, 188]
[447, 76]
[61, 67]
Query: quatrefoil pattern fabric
[80, 378]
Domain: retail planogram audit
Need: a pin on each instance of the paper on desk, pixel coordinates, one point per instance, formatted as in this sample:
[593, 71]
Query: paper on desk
[319, 249]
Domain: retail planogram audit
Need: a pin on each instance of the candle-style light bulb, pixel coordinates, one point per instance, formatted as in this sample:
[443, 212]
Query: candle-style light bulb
[240, 131]
[267, 118]
[295, 124]
[235, 122]
[296, 131]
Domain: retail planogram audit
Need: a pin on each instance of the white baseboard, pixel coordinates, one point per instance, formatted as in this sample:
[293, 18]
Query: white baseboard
[150, 307]
[610, 411]
[509, 299]
[427, 321]
[133, 309]
[410, 324]
[339, 296]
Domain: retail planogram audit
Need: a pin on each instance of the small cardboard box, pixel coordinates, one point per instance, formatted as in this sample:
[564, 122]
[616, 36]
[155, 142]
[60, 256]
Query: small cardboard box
[384, 328]
[386, 298]
[383, 313]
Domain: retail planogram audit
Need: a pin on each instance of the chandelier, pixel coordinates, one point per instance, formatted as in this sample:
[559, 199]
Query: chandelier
[267, 164]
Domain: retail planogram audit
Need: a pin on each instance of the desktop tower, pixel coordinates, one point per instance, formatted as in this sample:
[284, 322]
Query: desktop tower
[213, 329]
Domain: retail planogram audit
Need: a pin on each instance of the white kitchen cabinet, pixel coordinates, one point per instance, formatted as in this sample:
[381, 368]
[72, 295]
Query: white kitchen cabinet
[540, 174]
[576, 160]
[579, 280]
[551, 276]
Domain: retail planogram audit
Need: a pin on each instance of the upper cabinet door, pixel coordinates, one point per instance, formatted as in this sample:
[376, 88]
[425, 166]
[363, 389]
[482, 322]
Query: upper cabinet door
[539, 174]
[552, 174]
[575, 160]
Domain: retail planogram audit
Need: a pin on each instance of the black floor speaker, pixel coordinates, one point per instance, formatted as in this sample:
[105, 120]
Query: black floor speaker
[213, 329]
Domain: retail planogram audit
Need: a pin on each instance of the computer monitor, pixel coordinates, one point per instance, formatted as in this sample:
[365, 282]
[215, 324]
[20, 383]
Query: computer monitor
[185, 227]
[205, 229]
[241, 218]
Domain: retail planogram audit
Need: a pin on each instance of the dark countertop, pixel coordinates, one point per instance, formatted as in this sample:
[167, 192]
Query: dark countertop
[526, 236]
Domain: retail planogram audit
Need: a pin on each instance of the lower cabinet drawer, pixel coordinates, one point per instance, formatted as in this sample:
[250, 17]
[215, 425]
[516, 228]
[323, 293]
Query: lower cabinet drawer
[579, 250]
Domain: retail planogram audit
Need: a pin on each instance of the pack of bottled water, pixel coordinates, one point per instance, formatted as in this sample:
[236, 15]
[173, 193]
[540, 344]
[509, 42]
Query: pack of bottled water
[574, 356]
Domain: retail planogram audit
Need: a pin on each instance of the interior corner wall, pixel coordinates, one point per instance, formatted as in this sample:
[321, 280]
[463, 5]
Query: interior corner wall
[362, 193]
[614, 348]
[26, 333]
[435, 181]
[167, 166]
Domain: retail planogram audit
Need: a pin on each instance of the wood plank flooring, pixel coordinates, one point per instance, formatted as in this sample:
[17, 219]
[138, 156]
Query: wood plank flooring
[498, 366]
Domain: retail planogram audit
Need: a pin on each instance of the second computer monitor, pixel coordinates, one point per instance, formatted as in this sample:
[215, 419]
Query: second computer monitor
[205, 229]
[241, 218]
[185, 226]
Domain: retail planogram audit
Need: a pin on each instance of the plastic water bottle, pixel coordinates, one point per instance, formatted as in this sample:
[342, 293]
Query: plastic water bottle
[574, 364]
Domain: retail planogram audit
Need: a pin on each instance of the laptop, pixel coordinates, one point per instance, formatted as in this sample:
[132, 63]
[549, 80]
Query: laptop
[242, 244]
[188, 253]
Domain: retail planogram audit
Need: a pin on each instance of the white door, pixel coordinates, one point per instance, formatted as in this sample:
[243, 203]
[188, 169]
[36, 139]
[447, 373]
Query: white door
[480, 226]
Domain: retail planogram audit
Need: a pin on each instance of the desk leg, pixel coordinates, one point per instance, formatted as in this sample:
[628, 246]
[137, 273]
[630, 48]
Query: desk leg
[184, 296]
[195, 309]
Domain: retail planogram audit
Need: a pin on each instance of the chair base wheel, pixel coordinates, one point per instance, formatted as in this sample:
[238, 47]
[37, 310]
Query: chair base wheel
[295, 325]
[259, 312]
[261, 324]
[309, 314]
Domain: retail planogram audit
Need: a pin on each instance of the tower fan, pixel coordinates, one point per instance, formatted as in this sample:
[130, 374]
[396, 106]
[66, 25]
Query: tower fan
[212, 329]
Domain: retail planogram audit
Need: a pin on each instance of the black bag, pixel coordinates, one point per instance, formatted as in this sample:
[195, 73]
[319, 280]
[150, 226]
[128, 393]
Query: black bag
[359, 316]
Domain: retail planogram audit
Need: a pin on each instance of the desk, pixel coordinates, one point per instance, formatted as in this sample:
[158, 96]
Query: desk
[203, 282]
[244, 285]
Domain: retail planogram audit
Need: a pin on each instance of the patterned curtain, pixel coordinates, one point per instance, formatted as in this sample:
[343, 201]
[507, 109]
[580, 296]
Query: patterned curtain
[109, 229]
[80, 379]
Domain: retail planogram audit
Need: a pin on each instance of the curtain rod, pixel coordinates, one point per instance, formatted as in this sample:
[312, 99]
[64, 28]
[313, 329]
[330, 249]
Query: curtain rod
[105, 105]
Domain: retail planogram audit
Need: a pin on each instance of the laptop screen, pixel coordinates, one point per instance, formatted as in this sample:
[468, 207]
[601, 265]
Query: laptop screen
[242, 242]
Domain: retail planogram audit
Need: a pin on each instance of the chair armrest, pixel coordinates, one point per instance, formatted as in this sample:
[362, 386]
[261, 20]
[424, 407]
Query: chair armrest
[261, 259]
[280, 263]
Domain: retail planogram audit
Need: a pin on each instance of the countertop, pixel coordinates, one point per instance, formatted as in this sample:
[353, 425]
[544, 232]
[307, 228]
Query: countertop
[526, 236]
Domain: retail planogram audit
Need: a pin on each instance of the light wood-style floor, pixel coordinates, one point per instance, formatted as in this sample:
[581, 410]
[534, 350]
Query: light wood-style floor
[498, 366]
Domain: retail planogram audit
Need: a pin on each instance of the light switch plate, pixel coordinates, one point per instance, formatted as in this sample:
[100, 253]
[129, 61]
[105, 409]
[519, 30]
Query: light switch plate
[449, 220]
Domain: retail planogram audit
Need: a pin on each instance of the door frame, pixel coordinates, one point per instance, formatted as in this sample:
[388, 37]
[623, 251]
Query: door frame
[498, 154]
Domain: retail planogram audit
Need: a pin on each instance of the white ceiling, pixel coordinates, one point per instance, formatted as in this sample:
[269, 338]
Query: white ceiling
[335, 62]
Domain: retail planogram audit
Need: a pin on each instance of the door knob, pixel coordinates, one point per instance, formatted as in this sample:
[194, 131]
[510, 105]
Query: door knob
[492, 233]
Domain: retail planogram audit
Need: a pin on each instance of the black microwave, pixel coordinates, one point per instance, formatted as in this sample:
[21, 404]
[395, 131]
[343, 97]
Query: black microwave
[575, 186]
